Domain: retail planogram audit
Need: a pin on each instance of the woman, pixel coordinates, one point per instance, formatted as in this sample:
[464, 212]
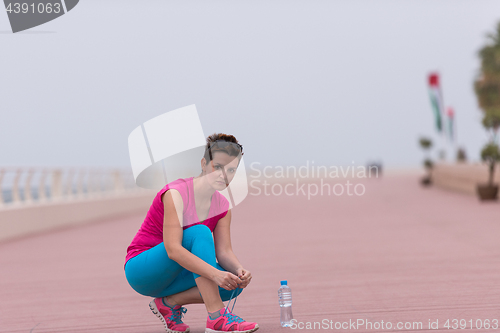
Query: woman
[174, 257]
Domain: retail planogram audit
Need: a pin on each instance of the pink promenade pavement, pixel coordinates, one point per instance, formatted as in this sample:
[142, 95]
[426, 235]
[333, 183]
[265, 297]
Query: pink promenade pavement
[399, 253]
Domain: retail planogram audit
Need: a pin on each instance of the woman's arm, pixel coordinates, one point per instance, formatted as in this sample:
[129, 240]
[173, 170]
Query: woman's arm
[224, 251]
[172, 239]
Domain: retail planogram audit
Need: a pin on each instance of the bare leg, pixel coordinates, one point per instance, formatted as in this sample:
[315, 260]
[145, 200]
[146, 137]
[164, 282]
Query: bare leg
[190, 296]
[209, 290]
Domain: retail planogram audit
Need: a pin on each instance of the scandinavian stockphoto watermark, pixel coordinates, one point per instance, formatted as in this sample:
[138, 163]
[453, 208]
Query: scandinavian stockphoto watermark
[26, 14]
[333, 180]
[365, 325]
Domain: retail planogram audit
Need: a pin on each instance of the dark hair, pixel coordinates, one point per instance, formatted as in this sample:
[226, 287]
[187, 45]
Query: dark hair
[230, 150]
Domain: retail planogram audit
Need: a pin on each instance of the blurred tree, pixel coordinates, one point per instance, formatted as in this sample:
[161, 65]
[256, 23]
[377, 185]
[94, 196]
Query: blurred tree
[428, 164]
[491, 155]
[487, 88]
[426, 145]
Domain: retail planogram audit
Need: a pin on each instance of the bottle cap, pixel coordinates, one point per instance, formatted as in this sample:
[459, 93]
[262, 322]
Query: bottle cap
[284, 282]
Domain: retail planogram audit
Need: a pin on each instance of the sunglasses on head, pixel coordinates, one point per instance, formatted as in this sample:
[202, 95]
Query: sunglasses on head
[224, 144]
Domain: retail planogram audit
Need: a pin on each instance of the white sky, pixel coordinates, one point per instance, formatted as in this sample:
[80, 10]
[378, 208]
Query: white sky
[325, 81]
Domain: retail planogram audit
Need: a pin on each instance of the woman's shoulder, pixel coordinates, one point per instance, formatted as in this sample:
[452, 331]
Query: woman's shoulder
[181, 185]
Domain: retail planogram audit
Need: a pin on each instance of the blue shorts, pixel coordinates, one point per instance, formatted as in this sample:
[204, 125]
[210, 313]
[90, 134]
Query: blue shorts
[153, 273]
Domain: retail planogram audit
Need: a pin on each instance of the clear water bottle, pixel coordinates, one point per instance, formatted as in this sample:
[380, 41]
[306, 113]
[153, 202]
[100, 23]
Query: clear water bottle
[285, 298]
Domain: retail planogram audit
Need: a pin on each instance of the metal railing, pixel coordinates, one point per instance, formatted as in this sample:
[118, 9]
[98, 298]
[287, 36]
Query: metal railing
[25, 185]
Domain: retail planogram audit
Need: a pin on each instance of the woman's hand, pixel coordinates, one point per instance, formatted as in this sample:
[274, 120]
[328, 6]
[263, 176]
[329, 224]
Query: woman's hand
[226, 280]
[245, 277]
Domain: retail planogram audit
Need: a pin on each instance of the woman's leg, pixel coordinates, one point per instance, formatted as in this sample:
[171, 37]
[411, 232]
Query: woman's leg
[187, 286]
[202, 245]
[193, 296]
[153, 273]
[190, 296]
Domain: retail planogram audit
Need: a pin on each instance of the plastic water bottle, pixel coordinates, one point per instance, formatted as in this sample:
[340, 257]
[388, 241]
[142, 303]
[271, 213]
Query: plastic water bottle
[285, 298]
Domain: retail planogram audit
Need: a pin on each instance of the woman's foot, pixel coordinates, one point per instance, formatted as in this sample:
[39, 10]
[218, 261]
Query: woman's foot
[169, 316]
[228, 322]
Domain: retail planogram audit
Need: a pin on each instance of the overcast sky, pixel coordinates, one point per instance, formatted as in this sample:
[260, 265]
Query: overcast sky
[295, 81]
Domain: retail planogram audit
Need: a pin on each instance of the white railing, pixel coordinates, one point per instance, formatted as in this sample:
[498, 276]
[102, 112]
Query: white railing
[32, 185]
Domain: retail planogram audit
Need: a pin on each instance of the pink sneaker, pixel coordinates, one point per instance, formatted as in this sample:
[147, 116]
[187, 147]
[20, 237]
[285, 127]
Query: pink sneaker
[170, 317]
[229, 322]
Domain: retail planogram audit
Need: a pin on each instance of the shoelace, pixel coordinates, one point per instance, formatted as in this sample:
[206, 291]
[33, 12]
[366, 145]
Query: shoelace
[177, 315]
[231, 317]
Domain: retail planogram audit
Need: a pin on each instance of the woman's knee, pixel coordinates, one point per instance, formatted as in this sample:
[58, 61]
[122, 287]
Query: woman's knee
[199, 241]
[225, 295]
[198, 233]
[199, 230]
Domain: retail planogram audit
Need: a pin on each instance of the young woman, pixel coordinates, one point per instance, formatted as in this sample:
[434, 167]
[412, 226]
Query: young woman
[174, 257]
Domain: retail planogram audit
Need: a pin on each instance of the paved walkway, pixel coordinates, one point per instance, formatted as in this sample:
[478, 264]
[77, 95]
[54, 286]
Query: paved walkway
[399, 253]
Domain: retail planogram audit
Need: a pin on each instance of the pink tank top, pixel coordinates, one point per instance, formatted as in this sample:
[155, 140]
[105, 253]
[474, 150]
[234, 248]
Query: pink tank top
[150, 233]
